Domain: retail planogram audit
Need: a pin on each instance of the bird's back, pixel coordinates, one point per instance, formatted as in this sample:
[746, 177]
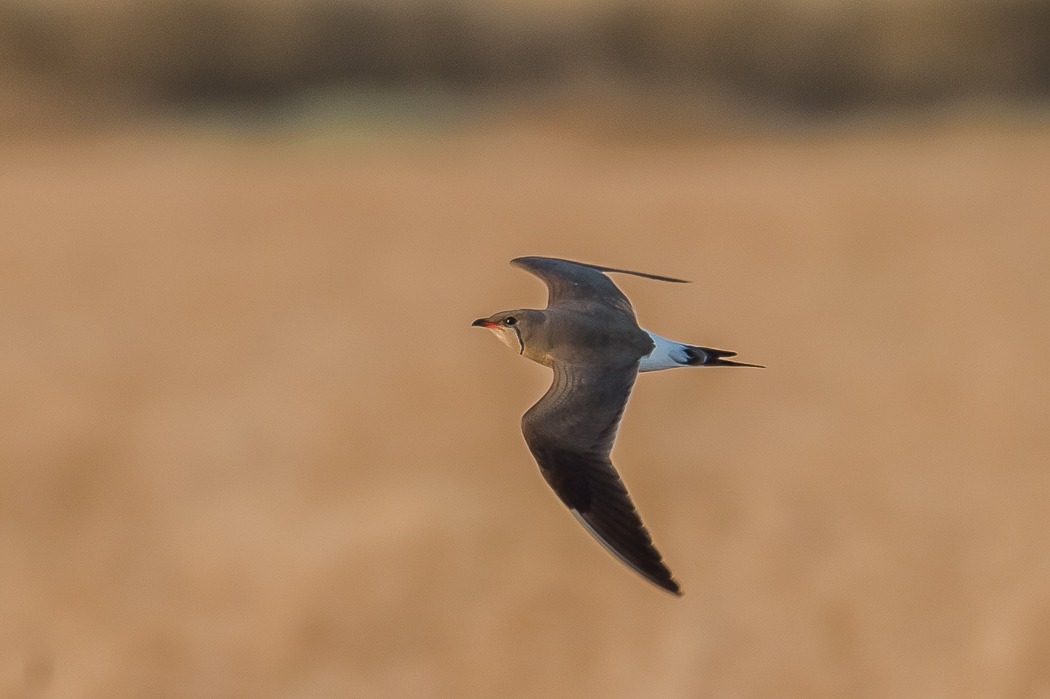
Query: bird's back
[580, 333]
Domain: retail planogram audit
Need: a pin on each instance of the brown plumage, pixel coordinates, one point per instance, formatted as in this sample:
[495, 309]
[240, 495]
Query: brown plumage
[589, 336]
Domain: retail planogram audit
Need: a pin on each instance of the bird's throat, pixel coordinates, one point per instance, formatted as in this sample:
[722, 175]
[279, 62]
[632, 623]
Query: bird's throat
[510, 337]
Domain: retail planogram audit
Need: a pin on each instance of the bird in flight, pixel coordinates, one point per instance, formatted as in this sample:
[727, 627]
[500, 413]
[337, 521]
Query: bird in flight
[589, 336]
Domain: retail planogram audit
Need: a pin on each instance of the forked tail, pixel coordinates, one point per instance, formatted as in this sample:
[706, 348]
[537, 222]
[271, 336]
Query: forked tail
[706, 356]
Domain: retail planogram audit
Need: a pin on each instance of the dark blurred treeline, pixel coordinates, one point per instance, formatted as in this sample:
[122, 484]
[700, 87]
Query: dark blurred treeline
[822, 57]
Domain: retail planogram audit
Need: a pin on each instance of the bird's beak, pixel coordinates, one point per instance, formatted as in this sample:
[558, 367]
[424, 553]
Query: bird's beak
[483, 323]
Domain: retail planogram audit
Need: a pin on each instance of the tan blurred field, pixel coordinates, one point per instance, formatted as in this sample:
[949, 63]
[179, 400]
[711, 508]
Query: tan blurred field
[250, 446]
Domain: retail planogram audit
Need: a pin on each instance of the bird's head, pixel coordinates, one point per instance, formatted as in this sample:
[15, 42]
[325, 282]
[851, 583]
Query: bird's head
[513, 328]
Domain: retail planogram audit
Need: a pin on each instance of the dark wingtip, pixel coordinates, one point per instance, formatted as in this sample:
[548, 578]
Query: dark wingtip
[657, 277]
[673, 587]
[660, 576]
[661, 579]
[647, 562]
[523, 261]
[665, 582]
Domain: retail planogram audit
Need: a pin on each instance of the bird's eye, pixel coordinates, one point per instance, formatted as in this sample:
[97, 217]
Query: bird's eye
[510, 321]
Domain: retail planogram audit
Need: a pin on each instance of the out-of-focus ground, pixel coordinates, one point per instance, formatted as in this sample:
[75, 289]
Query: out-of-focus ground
[250, 445]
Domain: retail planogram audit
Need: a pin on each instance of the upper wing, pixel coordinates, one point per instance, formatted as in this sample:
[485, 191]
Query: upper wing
[572, 281]
[570, 432]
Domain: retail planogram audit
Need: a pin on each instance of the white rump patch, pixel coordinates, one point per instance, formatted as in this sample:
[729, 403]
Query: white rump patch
[667, 354]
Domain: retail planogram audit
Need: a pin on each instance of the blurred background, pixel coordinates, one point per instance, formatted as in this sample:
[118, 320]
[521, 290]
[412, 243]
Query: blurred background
[250, 445]
[88, 60]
